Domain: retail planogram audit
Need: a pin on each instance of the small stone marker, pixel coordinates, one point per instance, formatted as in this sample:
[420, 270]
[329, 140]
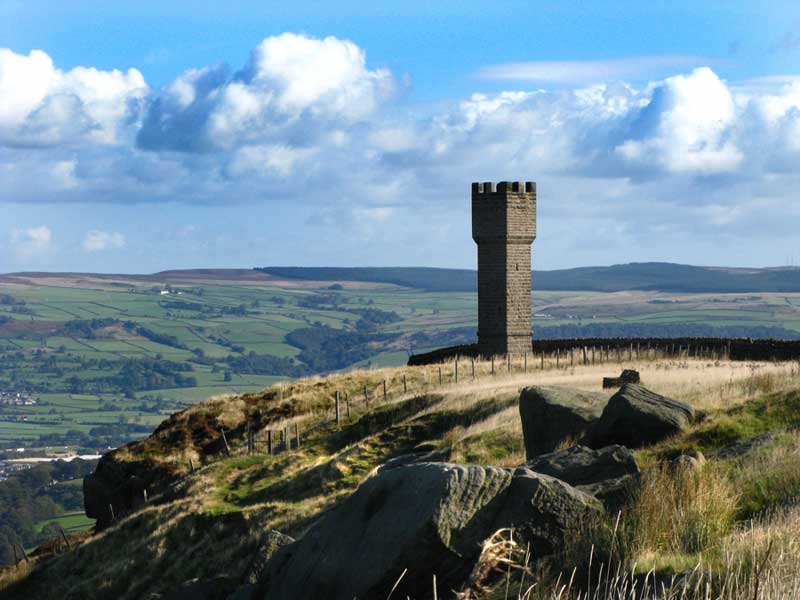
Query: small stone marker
[627, 376]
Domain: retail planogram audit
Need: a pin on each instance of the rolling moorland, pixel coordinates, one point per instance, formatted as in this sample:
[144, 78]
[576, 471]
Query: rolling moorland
[106, 358]
[723, 526]
[91, 362]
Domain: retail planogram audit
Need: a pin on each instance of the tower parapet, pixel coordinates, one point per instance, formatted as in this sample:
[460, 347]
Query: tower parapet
[504, 227]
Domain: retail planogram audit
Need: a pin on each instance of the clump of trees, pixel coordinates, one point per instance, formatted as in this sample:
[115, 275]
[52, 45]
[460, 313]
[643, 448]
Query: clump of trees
[30, 496]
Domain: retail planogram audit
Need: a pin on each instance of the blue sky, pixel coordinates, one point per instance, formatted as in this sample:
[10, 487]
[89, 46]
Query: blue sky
[153, 135]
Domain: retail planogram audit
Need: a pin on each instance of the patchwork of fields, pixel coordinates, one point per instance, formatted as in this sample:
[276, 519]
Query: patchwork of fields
[107, 357]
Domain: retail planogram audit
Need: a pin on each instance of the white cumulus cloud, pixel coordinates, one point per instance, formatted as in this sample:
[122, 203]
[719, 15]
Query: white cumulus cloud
[307, 123]
[97, 240]
[688, 126]
[41, 105]
[32, 241]
[292, 89]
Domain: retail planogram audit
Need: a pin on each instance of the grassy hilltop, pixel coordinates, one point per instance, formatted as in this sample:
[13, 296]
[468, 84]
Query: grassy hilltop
[733, 521]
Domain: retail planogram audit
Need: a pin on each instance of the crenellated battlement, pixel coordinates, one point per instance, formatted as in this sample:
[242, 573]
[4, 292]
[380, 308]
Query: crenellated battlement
[505, 212]
[502, 187]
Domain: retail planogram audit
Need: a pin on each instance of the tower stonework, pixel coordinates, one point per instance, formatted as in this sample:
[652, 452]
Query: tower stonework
[504, 227]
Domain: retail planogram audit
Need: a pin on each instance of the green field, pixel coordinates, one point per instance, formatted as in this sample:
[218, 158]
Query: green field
[161, 342]
[71, 522]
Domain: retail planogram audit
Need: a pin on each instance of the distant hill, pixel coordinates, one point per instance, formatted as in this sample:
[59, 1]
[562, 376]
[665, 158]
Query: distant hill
[426, 278]
[665, 277]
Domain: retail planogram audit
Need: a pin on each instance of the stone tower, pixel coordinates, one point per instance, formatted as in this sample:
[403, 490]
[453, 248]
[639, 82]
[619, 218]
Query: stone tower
[504, 226]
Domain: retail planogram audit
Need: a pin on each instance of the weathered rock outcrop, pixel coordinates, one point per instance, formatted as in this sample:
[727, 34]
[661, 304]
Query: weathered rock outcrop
[421, 519]
[607, 474]
[551, 415]
[636, 417]
[117, 486]
[114, 490]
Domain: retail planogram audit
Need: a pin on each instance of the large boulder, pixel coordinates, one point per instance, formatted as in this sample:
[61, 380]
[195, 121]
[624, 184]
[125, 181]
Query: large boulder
[112, 492]
[408, 523]
[608, 474]
[636, 417]
[552, 415]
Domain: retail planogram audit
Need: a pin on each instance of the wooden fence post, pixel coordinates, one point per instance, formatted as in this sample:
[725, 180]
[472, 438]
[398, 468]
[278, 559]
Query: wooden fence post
[338, 415]
[440, 375]
[525, 362]
[456, 371]
[558, 357]
[297, 431]
[508, 360]
[347, 404]
[473, 367]
[585, 359]
[64, 535]
[542, 360]
[405, 384]
[288, 437]
[492, 364]
[572, 357]
[384, 389]
[366, 397]
[269, 442]
[225, 442]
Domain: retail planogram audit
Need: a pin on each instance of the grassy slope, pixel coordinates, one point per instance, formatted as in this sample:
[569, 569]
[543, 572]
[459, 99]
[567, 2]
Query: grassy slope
[221, 511]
